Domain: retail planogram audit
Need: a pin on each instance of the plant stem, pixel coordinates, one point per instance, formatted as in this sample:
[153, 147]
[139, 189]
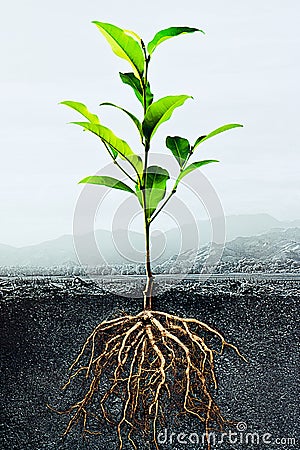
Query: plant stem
[150, 278]
[145, 80]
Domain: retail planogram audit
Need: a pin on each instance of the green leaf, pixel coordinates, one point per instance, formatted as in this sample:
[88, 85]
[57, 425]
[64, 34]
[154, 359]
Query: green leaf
[168, 33]
[110, 150]
[149, 96]
[134, 34]
[198, 140]
[192, 167]
[215, 132]
[132, 117]
[123, 45]
[120, 146]
[137, 164]
[82, 109]
[155, 188]
[107, 181]
[180, 147]
[160, 111]
[134, 82]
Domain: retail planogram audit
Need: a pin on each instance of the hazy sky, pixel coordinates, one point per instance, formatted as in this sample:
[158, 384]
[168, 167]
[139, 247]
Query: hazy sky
[245, 69]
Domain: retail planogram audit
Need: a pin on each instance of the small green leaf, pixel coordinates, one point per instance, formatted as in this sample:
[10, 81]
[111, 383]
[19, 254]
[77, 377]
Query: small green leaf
[123, 149]
[110, 150]
[107, 181]
[155, 188]
[198, 140]
[132, 117]
[134, 34]
[192, 167]
[149, 96]
[180, 147]
[168, 33]
[82, 109]
[215, 132]
[123, 45]
[160, 111]
[134, 82]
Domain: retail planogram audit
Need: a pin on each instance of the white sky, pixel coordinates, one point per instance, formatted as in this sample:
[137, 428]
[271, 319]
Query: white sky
[245, 69]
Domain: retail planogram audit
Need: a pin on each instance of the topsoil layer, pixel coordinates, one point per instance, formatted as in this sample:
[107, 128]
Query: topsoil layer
[45, 321]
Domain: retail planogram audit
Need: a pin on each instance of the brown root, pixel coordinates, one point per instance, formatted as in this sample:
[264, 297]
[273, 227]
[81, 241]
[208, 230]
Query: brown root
[144, 361]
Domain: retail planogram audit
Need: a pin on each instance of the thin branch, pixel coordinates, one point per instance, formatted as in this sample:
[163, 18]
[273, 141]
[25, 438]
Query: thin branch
[117, 164]
[163, 205]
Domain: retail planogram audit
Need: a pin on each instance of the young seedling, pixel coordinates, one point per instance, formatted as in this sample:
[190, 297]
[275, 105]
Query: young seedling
[151, 358]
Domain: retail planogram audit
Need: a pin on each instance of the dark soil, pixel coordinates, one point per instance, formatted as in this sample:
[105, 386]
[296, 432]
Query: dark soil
[44, 322]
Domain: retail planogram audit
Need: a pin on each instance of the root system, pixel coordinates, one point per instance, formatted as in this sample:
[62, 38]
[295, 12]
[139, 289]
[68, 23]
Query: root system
[131, 367]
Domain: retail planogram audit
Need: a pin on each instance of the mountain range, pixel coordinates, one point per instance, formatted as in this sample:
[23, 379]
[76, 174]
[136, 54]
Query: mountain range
[274, 251]
[123, 247]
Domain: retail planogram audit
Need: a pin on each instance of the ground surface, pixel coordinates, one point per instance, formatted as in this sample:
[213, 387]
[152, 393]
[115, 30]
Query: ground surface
[45, 321]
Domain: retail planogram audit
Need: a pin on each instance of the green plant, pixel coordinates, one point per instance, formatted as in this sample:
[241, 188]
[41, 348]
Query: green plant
[146, 352]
